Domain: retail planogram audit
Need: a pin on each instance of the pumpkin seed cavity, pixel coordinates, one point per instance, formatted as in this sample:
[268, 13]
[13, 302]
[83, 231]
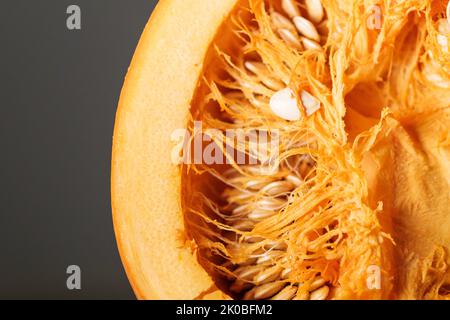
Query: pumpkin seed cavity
[277, 230]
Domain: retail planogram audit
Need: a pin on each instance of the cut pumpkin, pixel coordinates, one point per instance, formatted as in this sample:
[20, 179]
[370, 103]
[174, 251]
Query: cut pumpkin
[348, 194]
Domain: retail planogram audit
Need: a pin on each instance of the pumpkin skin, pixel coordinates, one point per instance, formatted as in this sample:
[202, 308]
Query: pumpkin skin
[145, 185]
[147, 188]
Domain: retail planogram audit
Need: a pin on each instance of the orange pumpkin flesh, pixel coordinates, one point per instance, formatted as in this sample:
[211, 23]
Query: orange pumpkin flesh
[155, 264]
[406, 168]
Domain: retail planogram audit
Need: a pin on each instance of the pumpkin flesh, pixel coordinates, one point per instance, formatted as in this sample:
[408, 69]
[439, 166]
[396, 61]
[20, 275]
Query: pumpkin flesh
[373, 161]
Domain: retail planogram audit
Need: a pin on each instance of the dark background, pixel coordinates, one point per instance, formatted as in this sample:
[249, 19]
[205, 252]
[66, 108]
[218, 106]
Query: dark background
[58, 95]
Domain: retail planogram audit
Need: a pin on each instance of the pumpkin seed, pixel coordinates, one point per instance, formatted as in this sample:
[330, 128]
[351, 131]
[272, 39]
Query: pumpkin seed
[306, 28]
[310, 44]
[284, 104]
[248, 272]
[315, 10]
[290, 38]
[267, 290]
[320, 294]
[268, 275]
[286, 294]
[290, 8]
[311, 103]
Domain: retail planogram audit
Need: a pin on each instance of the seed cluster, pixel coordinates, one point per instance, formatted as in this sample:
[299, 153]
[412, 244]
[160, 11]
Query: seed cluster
[259, 90]
[265, 273]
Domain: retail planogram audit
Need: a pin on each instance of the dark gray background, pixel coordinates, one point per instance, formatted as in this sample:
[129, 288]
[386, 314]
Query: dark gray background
[59, 92]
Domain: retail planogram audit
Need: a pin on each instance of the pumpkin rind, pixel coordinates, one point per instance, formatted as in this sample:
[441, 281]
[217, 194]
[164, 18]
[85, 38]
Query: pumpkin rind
[145, 185]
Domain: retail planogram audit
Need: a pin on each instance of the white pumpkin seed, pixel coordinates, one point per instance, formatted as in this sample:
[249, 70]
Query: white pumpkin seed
[286, 273]
[248, 272]
[319, 282]
[311, 103]
[281, 21]
[285, 294]
[290, 38]
[320, 294]
[277, 188]
[284, 104]
[270, 204]
[290, 7]
[443, 42]
[306, 28]
[269, 256]
[244, 225]
[310, 44]
[268, 290]
[315, 10]
[259, 214]
[268, 275]
[294, 180]
[443, 26]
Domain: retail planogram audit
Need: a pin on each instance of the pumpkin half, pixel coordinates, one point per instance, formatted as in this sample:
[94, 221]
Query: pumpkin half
[348, 194]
